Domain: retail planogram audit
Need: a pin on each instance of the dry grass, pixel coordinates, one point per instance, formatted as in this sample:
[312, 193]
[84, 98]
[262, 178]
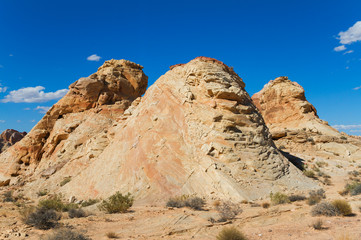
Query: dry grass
[112, 235]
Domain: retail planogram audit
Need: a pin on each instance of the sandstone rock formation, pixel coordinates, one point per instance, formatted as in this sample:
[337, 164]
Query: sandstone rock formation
[9, 137]
[294, 122]
[195, 131]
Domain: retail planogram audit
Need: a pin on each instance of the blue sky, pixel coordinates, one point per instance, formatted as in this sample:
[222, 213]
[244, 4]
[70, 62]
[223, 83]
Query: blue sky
[46, 45]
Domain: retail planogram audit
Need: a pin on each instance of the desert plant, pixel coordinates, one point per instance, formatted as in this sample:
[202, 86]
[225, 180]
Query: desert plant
[228, 211]
[117, 203]
[316, 196]
[230, 233]
[89, 202]
[8, 197]
[67, 234]
[65, 181]
[325, 209]
[174, 202]
[41, 193]
[76, 213]
[343, 207]
[265, 205]
[321, 164]
[309, 173]
[294, 198]
[279, 198]
[55, 202]
[111, 235]
[318, 224]
[195, 203]
[43, 218]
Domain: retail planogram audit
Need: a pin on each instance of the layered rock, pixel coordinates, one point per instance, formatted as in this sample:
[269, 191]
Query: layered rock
[195, 131]
[9, 137]
[294, 122]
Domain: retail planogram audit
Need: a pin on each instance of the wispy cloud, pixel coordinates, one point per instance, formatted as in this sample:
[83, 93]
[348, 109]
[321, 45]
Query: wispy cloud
[340, 48]
[11, 55]
[347, 127]
[32, 95]
[357, 88]
[42, 109]
[1, 66]
[27, 109]
[2, 121]
[93, 57]
[350, 51]
[3, 89]
[353, 34]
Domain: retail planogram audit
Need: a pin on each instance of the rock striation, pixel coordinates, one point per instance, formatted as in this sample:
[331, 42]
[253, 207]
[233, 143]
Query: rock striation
[9, 137]
[195, 131]
[294, 123]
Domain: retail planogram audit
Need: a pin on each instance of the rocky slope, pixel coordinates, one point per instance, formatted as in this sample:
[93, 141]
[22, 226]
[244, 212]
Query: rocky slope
[9, 137]
[195, 131]
[294, 122]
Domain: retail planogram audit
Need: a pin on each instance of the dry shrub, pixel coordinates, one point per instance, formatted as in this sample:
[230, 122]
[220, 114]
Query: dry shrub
[325, 209]
[112, 235]
[230, 233]
[42, 218]
[196, 203]
[266, 205]
[318, 224]
[343, 207]
[316, 196]
[228, 211]
[295, 198]
[67, 234]
[76, 213]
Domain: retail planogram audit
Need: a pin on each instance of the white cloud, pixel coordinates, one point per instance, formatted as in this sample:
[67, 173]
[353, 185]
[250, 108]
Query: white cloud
[357, 88]
[19, 121]
[3, 89]
[32, 120]
[353, 34]
[42, 109]
[10, 55]
[93, 57]
[27, 109]
[350, 51]
[33, 94]
[347, 127]
[2, 121]
[347, 67]
[340, 48]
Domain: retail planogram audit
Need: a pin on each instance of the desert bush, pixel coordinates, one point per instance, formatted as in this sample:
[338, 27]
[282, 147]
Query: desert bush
[309, 173]
[321, 164]
[318, 224]
[42, 218]
[55, 202]
[325, 209]
[42, 193]
[89, 202]
[279, 198]
[65, 181]
[117, 203]
[265, 205]
[230, 233]
[228, 211]
[67, 234]
[343, 207]
[8, 197]
[111, 235]
[353, 189]
[316, 196]
[76, 213]
[195, 203]
[294, 198]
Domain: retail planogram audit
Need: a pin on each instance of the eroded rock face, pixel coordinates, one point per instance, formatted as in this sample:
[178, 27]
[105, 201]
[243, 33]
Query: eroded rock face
[9, 137]
[88, 108]
[294, 122]
[195, 131]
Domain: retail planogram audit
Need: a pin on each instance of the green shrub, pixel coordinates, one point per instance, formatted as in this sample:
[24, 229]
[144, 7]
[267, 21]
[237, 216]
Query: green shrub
[65, 181]
[309, 173]
[117, 203]
[42, 218]
[56, 203]
[67, 234]
[343, 207]
[230, 233]
[294, 198]
[279, 198]
[42, 193]
[76, 213]
[228, 211]
[325, 209]
[89, 202]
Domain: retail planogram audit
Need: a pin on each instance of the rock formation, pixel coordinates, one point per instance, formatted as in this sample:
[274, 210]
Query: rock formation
[294, 122]
[9, 137]
[195, 131]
